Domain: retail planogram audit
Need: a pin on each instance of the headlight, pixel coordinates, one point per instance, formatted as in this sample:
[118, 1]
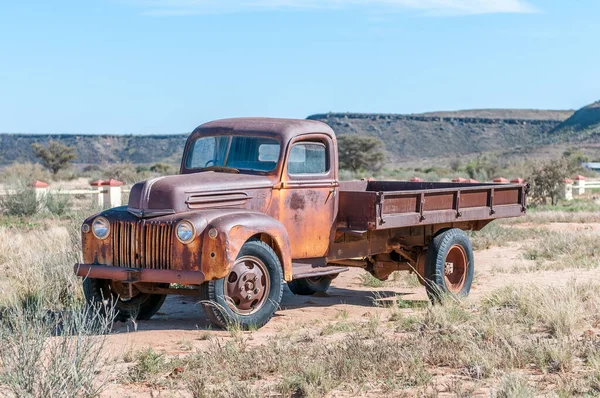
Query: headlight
[185, 232]
[101, 228]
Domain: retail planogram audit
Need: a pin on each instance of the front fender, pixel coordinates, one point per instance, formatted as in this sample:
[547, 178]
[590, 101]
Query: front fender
[233, 230]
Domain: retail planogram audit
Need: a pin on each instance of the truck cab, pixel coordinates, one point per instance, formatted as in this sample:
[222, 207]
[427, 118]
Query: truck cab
[258, 203]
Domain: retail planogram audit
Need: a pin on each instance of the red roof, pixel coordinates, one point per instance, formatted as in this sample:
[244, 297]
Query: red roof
[579, 177]
[459, 179]
[501, 179]
[518, 180]
[416, 179]
[39, 184]
[112, 183]
[96, 183]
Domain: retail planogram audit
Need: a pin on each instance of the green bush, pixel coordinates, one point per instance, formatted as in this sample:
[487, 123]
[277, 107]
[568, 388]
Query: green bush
[21, 202]
[58, 204]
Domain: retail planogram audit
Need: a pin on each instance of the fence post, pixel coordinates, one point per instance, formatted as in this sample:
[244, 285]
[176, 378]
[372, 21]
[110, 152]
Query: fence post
[568, 189]
[579, 185]
[100, 196]
[112, 193]
[41, 190]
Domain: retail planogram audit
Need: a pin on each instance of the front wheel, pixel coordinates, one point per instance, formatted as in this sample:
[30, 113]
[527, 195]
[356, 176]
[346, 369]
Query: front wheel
[107, 294]
[251, 292]
[449, 265]
[310, 286]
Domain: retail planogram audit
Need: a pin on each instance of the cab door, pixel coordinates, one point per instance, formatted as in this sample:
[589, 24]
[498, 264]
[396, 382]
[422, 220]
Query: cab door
[308, 195]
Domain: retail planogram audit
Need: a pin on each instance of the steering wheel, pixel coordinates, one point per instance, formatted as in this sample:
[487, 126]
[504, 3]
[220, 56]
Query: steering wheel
[213, 161]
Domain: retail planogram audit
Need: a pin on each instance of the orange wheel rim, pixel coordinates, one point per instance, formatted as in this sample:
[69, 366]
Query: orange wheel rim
[455, 268]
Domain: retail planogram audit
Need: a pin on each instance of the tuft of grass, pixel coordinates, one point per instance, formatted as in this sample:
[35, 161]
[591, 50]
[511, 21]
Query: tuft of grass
[148, 363]
[514, 386]
[337, 327]
[368, 280]
[185, 345]
[310, 382]
[205, 335]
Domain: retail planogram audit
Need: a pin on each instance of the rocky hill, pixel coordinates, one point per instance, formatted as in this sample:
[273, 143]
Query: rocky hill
[582, 125]
[428, 138]
[447, 134]
[98, 149]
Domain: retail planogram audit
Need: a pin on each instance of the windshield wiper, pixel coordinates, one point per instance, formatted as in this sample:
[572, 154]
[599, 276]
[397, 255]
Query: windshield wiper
[220, 169]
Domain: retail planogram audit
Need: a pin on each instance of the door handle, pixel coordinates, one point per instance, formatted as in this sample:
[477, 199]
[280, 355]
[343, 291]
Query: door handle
[332, 193]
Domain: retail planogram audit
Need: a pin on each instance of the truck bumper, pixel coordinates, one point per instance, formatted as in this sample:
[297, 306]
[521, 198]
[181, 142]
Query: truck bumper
[132, 275]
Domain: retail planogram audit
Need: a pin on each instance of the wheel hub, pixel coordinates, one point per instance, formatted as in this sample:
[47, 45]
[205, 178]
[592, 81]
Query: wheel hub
[247, 285]
[455, 268]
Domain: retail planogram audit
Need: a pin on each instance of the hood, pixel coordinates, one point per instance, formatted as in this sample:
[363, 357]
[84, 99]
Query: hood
[180, 193]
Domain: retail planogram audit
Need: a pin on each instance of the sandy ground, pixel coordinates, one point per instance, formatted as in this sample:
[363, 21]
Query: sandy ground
[177, 328]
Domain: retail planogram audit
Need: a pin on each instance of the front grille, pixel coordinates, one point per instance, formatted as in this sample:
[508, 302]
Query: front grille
[142, 244]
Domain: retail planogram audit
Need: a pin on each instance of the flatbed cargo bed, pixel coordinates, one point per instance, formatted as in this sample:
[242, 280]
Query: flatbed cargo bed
[375, 205]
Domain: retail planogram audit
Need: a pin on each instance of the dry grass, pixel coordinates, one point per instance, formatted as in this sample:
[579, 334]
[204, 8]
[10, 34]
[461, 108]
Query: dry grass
[517, 342]
[37, 265]
[501, 344]
[51, 344]
[569, 245]
[497, 234]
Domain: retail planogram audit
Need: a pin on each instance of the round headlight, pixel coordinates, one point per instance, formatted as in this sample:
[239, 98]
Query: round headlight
[101, 228]
[185, 232]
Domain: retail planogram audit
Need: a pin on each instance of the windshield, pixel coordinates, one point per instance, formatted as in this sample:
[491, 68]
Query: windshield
[238, 152]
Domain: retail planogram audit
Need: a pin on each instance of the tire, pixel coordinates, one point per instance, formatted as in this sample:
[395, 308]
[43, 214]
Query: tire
[310, 286]
[449, 248]
[251, 293]
[101, 293]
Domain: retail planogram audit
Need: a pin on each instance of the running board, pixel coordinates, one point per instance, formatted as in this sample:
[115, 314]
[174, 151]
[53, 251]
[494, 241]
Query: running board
[300, 270]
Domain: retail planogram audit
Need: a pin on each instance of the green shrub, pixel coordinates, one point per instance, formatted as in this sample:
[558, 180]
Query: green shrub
[58, 204]
[21, 202]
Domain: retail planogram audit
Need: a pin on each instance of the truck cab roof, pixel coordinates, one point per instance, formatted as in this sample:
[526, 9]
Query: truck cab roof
[284, 128]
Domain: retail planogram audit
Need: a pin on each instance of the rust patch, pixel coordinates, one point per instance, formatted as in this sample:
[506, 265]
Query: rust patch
[297, 201]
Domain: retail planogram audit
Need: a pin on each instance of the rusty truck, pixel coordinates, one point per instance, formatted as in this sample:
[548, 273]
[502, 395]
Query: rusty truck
[258, 203]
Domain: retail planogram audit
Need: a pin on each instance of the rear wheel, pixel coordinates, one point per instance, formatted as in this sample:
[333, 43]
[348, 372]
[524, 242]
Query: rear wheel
[137, 305]
[251, 292]
[449, 265]
[309, 286]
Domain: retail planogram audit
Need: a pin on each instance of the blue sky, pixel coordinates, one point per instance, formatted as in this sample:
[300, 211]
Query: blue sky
[165, 66]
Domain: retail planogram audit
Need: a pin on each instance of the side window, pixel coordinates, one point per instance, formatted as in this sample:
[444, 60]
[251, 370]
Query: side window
[308, 158]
